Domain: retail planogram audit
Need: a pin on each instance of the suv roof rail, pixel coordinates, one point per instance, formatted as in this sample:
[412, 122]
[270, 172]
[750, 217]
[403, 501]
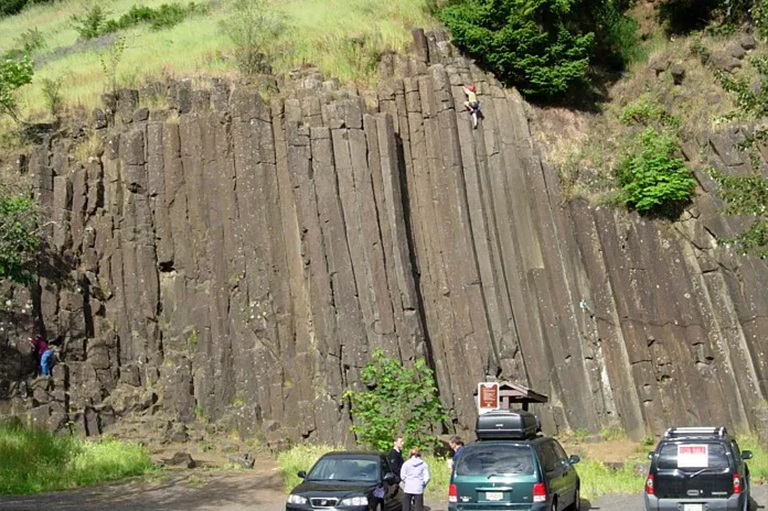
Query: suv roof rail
[695, 431]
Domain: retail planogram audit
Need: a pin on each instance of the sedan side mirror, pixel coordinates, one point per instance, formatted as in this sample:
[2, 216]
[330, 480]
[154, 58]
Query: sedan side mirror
[746, 455]
[390, 478]
[302, 474]
[650, 455]
[574, 459]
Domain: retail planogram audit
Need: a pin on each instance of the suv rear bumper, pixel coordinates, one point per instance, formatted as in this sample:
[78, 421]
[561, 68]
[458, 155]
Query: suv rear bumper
[732, 503]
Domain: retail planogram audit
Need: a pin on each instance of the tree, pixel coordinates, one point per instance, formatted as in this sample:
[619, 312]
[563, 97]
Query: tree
[13, 74]
[542, 47]
[19, 241]
[396, 400]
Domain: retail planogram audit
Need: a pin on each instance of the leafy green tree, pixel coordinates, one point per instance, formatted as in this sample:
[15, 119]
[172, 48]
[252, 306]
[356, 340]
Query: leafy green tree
[13, 74]
[396, 400]
[19, 242]
[654, 180]
[542, 47]
[251, 26]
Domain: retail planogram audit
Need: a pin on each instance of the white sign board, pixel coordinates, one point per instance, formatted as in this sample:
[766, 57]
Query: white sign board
[487, 397]
[693, 456]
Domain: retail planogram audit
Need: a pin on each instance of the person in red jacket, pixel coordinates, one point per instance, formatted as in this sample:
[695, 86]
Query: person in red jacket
[39, 346]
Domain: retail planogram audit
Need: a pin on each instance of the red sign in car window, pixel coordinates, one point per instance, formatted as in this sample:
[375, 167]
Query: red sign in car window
[693, 455]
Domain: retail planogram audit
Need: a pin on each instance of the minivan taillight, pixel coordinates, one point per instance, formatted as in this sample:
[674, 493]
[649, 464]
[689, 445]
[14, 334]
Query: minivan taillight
[736, 483]
[539, 492]
[649, 485]
[453, 495]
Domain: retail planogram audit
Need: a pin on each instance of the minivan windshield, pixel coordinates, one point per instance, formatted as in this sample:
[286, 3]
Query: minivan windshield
[690, 457]
[495, 460]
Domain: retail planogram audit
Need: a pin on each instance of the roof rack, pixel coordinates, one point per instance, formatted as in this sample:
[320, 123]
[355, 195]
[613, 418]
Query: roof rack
[696, 431]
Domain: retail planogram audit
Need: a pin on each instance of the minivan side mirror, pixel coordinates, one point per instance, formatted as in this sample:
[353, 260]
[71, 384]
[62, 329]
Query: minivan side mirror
[302, 474]
[746, 455]
[574, 459]
[650, 455]
[390, 478]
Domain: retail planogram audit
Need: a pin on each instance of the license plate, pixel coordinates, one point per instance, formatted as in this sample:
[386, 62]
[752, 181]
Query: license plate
[497, 495]
[693, 507]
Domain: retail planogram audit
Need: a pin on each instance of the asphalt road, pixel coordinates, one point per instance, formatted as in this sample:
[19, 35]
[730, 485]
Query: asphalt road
[232, 491]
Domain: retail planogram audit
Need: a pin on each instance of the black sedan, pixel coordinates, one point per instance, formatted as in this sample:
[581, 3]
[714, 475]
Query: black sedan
[349, 481]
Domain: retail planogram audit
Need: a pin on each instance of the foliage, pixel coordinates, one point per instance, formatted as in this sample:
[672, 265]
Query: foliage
[397, 400]
[110, 60]
[94, 23]
[647, 112]
[28, 44]
[11, 7]
[13, 74]
[543, 47]
[250, 25]
[684, 16]
[36, 460]
[654, 180]
[19, 243]
[598, 479]
[52, 92]
[752, 103]
[746, 195]
[90, 24]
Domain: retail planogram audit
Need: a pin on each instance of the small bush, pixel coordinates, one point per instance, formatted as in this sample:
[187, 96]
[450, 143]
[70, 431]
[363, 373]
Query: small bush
[19, 241]
[91, 23]
[13, 75]
[250, 24]
[654, 180]
[51, 88]
[646, 112]
[397, 399]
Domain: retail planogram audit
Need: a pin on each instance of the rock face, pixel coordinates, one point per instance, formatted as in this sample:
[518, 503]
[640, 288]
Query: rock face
[239, 261]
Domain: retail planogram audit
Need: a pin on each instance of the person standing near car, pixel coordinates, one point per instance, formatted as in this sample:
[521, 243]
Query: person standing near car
[415, 476]
[395, 456]
[457, 444]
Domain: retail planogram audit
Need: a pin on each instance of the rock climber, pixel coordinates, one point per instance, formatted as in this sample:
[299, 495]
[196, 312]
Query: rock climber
[472, 104]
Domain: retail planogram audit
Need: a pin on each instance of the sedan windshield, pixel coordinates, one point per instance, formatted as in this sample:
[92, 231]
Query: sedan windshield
[345, 469]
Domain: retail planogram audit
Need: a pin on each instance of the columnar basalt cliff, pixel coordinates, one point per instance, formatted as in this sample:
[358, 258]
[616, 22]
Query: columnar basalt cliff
[239, 260]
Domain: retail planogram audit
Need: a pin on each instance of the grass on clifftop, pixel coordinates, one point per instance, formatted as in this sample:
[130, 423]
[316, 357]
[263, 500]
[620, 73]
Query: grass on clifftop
[34, 460]
[342, 37]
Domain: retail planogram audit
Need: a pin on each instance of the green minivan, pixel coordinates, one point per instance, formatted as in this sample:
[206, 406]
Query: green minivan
[532, 473]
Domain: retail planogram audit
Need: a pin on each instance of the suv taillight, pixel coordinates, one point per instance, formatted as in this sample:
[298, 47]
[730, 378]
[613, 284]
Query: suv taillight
[539, 492]
[736, 483]
[649, 485]
[453, 495]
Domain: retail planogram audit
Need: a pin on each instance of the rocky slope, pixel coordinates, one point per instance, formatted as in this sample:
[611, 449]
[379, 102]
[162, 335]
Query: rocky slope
[229, 259]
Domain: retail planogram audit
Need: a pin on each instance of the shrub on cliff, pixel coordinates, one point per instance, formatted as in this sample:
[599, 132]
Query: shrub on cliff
[653, 179]
[397, 399]
[542, 47]
[19, 243]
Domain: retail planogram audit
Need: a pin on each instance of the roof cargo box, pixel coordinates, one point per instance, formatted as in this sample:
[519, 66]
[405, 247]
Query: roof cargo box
[506, 424]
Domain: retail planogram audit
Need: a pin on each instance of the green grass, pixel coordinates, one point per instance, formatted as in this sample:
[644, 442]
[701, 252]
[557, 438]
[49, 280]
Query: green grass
[342, 37]
[758, 465]
[34, 460]
[598, 479]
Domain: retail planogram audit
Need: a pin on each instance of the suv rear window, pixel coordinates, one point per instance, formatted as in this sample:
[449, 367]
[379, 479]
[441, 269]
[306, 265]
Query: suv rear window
[693, 456]
[495, 459]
